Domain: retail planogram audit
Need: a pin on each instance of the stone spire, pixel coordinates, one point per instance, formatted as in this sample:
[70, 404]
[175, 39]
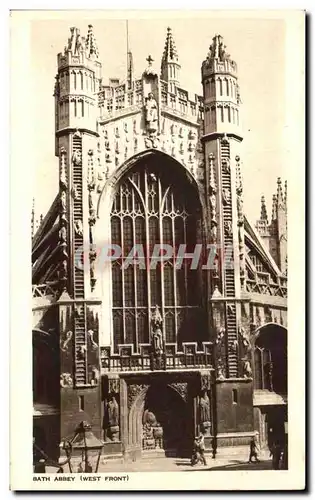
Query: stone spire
[285, 195]
[263, 210]
[90, 43]
[274, 207]
[170, 66]
[170, 51]
[279, 192]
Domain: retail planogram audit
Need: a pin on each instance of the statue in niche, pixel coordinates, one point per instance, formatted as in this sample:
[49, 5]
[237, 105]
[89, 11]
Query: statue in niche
[113, 411]
[76, 158]
[157, 340]
[226, 196]
[78, 227]
[204, 407]
[151, 113]
[247, 369]
[112, 414]
[244, 338]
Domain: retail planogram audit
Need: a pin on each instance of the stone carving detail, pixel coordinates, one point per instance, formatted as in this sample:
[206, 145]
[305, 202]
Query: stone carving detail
[226, 196]
[181, 388]
[112, 414]
[244, 339]
[91, 337]
[133, 391]
[78, 227]
[247, 369]
[75, 192]
[226, 165]
[220, 350]
[63, 223]
[152, 431]
[151, 114]
[114, 385]
[228, 228]
[204, 412]
[63, 177]
[205, 382]
[151, 142]
[66, 380]
[240, 220]
[77, 158]
[66, 341]
[157, 341]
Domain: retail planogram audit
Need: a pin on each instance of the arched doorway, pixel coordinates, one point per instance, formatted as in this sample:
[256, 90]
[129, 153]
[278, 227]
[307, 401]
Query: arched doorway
[270, 358]
[159, 423]
[165, 422]
[270, 383]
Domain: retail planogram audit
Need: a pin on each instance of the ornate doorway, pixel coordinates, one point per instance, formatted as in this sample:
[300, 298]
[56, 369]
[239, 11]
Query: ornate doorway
[166, 426]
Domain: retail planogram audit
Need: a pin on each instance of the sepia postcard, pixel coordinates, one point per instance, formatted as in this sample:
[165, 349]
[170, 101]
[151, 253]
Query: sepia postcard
[157, 166]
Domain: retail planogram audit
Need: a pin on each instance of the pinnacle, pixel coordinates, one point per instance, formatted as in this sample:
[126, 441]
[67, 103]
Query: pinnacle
[217, 49]
[263, 211]
[170, 51]
[90, 43]
[279, 191]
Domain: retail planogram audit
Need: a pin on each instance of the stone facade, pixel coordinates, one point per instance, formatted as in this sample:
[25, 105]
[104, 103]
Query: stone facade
[146, 386]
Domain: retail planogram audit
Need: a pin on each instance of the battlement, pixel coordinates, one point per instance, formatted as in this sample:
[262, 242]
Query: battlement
[118, 100]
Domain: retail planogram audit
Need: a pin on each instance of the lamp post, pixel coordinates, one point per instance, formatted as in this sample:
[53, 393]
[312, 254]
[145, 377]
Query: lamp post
[85, 442]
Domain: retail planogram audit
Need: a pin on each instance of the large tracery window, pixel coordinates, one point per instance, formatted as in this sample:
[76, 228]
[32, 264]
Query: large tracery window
[153, 206]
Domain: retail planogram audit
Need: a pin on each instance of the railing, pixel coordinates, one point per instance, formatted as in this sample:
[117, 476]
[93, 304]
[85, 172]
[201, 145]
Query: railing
[45, 290]
[265, 288]
[145, 360]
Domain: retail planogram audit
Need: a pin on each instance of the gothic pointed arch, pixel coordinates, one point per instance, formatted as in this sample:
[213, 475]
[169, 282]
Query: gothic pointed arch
[156, 204]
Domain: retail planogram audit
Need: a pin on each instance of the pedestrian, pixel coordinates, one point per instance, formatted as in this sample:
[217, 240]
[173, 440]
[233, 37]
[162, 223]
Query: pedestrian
[276, 453]
[253, 450]
[202, 448]
[199, 451]
[195, 458]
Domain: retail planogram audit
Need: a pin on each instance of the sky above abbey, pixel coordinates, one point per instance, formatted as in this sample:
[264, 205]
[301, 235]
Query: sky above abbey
[259, 47]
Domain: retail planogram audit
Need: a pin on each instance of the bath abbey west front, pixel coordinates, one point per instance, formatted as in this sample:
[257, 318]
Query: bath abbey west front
[150, 355]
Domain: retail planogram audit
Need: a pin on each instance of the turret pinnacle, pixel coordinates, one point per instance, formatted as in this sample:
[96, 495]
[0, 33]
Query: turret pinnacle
[274, 207]
[75, 41]
[285, 195]
[217, 49]
[90, 43]
[170, 52]
[170, 66]
[263, 210]
[279, 192]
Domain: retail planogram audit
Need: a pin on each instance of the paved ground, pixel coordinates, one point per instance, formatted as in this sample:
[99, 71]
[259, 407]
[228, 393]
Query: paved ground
[183, 464]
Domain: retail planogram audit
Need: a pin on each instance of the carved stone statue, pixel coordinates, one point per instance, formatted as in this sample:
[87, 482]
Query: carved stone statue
[76, 158]
[151, 116]
[113, 412]
[157, 341]
[244, 338]
[204, 407]
[247, 369]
